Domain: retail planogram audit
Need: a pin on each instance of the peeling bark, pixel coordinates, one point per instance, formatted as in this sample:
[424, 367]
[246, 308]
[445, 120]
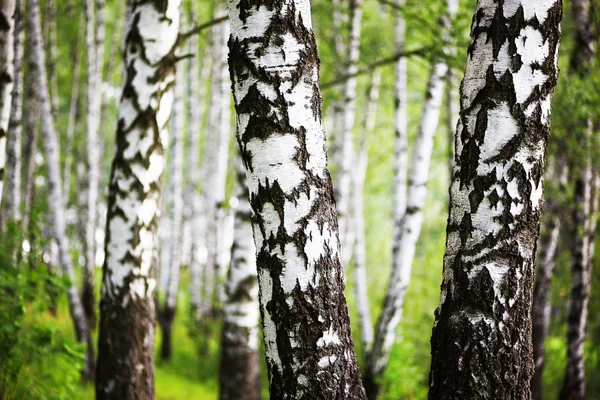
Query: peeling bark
[56, 204]
[481, 342]
[239, 376]
[127, 313]
[274, 69]
[7, 25]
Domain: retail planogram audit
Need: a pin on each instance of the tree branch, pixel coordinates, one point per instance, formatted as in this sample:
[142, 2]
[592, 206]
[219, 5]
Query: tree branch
[199, 28]
[369, 68]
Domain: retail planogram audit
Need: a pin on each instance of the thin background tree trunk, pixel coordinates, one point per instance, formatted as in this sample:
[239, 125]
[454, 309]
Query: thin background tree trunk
[56, 202]
[360, 245]
[239, 376]
[11, 200]
[7, 12]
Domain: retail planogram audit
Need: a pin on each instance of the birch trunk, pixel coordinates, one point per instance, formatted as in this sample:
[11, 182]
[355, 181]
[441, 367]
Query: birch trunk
[408, 226]
[481, 342]
[11, 200]
[544, 268]
[343, 195]
[583, 223]
[239, 365]
[127, 313]
[7, 25]
[222, 244]
[56, 202]
[95, 55]
[210, 167]
[274, 65]
[360, 250]
[176, 179]
[198, 107]
[49, 30]
[72, 123]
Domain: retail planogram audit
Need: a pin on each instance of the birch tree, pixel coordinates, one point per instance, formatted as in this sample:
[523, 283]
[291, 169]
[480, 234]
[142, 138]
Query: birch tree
[274, 65]
[127, 314]
[360, 250]
[343, 195]
[198, 106]
[7, 25]
[95, 56]
[239, 376]
[481, 342]
[409, 218]
[56, 204]
[11, 201]
[167, 315]
[584, 218]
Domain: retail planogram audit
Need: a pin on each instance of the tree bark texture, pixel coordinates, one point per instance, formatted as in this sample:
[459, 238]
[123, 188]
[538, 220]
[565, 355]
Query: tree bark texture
[481, 342]
[7, 25]
[274, 69]
[11, 200]
[239, 375]
[127, 313]
[56, 202]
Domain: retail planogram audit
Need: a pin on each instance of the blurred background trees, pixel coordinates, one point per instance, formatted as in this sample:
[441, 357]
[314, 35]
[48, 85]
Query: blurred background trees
[361, 46]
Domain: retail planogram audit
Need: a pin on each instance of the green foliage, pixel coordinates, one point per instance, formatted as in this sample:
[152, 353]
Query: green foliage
[35, 362]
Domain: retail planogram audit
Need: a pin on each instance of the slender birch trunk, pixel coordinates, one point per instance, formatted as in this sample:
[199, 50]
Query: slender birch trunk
[167, 315]
[274, 65]
[360, 250]
[210, 167]
[127, 313]
[31, 128]
[7, 25]
[222, 243]
[198, 106]
[11, 200]
[408, 226]
[344, 187]
[583, 224]
[95, 55]
[481, 342]
[71, 125]
[544, 269]
[239, 365]
[56, 202]
[50, 37]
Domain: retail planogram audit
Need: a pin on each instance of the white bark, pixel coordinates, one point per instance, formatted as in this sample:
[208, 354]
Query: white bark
[11, 200]
[176, 177]
[347, 150]
[360, 251]
[198, 107]
[7, 11]
[274, 66]
[71, 128]
[56, 203]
